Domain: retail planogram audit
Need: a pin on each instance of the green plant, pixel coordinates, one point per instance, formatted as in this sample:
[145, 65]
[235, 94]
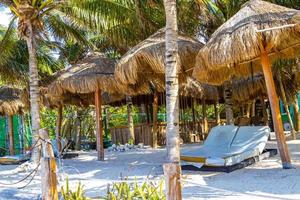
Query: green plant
[131, 141]
[134, 191]
[68, 194]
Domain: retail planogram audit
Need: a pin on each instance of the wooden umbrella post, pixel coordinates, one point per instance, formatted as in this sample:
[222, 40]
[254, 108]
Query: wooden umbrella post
[99, 132]
[204, 115]
[48, 168]
[296, 114]
[58, 128]
[274, 102]
[11, 135]
[155, 126]
[217, 112]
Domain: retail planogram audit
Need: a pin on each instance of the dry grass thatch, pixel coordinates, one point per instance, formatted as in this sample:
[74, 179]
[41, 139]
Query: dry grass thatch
[95, 71]
[146, 60]
[11, 101]
[234, 49]
[142, 68]
[247, 89]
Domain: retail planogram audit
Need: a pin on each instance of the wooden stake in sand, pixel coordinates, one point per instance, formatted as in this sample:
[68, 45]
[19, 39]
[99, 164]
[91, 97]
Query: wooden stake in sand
[48, 168]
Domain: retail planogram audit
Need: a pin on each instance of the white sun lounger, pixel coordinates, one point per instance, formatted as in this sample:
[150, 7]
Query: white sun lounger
[229, 145]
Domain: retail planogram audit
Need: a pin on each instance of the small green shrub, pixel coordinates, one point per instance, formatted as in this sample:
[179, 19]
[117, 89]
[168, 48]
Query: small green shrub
[68, 194]
[134, 191]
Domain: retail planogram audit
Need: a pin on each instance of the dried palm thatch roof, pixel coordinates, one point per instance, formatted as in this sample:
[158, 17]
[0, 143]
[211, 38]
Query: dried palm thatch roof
[80, 100]
[146, 60]
[142, 68]
[95, 71]
[247, 89]
[11, 101]
[234, 49]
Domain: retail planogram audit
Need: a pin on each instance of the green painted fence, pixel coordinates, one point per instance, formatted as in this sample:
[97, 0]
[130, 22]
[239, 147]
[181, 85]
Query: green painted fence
[22, 135]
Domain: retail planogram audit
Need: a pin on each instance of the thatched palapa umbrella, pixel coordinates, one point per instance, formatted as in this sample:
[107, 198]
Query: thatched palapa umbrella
[11, 103]
[92, 75]
[258, 33]
[145, 61]
[144, 65]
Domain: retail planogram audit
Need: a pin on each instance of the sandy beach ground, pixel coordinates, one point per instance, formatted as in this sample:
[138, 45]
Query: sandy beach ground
[263, 180]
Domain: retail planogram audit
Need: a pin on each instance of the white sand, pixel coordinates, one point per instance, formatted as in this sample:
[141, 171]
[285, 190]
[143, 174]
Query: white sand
[263, 180]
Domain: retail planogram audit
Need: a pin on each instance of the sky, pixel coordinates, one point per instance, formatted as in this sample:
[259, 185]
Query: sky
[4, 16]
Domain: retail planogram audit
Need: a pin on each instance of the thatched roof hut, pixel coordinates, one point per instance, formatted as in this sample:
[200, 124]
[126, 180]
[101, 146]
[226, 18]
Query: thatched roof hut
[95, 71]
[77, 84]
[143, 70]
[11, 101]
[145, 61]
[235, 48]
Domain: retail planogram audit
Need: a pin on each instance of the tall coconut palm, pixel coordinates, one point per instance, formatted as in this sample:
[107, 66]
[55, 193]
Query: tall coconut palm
[37, 21]
[172, 168]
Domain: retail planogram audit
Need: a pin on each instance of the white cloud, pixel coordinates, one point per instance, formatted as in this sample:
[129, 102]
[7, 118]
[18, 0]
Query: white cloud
[5, 16]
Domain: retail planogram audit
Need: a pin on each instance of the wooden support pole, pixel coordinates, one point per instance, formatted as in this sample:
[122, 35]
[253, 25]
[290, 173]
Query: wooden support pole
[193, 112]
[48, 168]
[99, 131]
[217, 112]
[11, 135]
[130, 118]
[172, 173]
[155, 125]
[58, 128]
[274, 102]
[296, 114]
[248, 110]
[286, 107]
[204, 117]
[147, 113]
[253, 108]
[264, 110]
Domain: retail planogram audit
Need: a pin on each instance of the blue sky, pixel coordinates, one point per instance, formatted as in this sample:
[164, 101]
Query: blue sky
[4, 16]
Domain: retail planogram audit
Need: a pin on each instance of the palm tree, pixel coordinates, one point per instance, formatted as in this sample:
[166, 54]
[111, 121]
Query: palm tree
[172, 168]
[14, 59]
[37, 21]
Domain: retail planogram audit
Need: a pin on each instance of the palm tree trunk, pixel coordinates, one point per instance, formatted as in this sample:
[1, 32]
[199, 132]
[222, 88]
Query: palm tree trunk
[228, 104]
[172, 169]
[130, 119]
[296, 113]
[286, 107]
[34, 90]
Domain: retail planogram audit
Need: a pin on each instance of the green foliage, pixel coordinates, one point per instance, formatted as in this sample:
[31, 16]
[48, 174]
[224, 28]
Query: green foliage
[68, 194]
[134, 191]
[48, 119]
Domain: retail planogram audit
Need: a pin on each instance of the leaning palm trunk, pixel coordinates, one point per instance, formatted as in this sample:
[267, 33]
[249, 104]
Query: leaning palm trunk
[286, 107]
[34, 90]
[172, 168]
